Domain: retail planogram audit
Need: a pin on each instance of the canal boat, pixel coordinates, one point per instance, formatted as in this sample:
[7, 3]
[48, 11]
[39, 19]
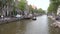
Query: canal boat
[34, 18]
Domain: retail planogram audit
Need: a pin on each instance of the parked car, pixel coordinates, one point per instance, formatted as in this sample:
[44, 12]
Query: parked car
[18, 16]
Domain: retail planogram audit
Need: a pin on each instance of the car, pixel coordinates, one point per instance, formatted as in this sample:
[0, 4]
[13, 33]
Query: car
[18, 16]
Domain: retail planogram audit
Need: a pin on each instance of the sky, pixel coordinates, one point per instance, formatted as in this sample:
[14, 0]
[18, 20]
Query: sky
[39, 3]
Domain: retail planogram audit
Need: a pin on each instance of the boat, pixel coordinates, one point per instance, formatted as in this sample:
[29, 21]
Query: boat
[34, 18]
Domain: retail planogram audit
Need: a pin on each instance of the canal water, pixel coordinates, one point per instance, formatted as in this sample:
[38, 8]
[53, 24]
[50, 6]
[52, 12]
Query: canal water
[40, 26]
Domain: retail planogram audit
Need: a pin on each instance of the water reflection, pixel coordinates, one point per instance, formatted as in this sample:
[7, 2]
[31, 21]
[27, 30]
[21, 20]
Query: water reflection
[40, 26]
[8, 28]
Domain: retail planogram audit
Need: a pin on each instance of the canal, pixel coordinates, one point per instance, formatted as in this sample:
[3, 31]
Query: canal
[39, 26]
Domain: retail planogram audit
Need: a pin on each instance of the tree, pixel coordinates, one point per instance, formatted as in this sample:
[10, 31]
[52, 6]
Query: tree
[22, 5]
[41, 11]
[53, 6]
[31, 10]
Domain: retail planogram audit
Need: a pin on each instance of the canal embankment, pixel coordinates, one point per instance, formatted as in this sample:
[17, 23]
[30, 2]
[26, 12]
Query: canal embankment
[9, 19]
[13, 19]
[56, 22]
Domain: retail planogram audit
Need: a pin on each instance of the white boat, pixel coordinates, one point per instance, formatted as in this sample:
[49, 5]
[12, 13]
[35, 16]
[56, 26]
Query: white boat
[34, 18]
